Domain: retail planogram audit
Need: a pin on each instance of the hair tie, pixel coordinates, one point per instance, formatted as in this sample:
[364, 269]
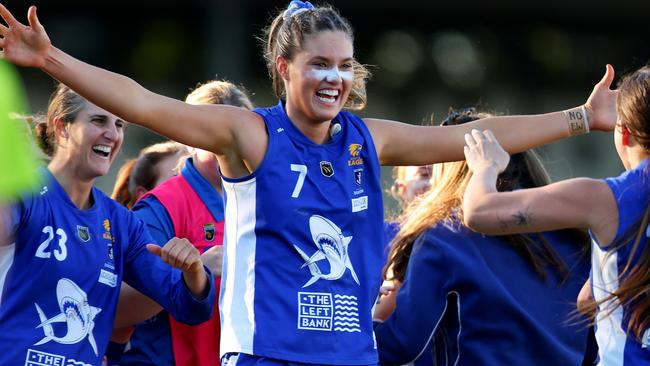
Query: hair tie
[296, 7]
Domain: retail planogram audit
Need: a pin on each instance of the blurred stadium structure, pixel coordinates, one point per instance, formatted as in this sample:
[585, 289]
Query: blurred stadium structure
[512, 56]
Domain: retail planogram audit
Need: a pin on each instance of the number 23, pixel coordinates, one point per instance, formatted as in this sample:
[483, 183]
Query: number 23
[61, 253]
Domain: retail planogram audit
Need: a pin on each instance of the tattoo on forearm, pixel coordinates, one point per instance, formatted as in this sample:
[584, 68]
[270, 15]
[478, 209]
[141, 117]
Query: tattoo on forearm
[520, 218]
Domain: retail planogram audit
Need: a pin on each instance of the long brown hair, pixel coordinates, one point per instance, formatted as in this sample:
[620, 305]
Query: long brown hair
[633, 106]
[285, 37]
[444, 201]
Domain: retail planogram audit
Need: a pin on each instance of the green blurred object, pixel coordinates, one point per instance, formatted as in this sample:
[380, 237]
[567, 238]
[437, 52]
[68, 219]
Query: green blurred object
[17, 161]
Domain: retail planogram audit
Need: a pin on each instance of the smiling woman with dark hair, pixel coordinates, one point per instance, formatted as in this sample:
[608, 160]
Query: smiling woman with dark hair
[69, 246]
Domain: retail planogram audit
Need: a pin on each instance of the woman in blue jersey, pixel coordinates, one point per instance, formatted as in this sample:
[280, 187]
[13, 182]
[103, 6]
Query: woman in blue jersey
[304, 208]
[70, 246]
[615, 210]
[472, 299]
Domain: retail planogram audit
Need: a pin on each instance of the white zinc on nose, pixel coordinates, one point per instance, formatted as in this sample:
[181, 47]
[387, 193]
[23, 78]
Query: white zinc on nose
[331, 75]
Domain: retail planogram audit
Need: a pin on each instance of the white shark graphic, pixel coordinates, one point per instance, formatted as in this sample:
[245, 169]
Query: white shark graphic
[333, 246]
[75, 312]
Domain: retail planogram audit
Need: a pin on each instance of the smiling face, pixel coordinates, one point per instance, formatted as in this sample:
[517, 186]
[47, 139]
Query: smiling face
[319, 78]
[91, 142]
[415, 181]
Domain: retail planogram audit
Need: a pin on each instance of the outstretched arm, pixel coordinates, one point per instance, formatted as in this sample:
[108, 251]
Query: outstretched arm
[574, 203]
[403, 144]
[215, 128]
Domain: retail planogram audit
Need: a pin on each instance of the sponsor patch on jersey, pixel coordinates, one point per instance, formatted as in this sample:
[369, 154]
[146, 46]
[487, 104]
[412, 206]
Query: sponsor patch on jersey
[326, 168]
[358, 173]
[38, 358]
[109, 248]
[324, 312]
[355, 155]
[359, 204]
[208, 232]
[107, 278]
[83, 233]
[315, 311]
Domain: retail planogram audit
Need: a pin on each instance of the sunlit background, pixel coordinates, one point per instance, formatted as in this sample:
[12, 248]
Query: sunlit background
[513, 57]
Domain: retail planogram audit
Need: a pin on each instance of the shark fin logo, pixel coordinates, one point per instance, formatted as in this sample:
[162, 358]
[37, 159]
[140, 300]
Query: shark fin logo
[78, 315]
[332, 246]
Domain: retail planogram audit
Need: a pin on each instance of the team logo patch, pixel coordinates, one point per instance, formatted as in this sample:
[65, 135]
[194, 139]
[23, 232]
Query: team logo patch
[107, 230]
[355, 154]
[208, 232]
[332, 247]
[75, 311]
[355, 150]
[326, 168]
[83, 233]
[357, 176]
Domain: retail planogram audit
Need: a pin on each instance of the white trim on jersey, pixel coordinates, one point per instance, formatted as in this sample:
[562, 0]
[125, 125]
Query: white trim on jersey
[610, 335]
[6, 260]
[236, 301]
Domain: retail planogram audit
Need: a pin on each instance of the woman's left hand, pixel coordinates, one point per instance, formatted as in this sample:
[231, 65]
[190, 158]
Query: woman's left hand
[483, 151]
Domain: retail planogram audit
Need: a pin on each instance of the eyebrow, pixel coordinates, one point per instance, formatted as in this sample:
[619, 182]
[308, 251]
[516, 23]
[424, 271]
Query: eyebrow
[321, 58]
[105, 117]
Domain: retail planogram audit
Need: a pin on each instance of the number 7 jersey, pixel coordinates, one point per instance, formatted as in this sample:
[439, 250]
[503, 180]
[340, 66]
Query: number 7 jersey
[304, 247]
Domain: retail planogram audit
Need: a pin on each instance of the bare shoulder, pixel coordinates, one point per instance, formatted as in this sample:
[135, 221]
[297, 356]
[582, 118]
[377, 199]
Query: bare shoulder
[249, 142]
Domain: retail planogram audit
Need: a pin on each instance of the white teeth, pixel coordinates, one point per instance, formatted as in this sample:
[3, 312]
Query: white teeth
[331, 92]
[326, 100]
[102, 150]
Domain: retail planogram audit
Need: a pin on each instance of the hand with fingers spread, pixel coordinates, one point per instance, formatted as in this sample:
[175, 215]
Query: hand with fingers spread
[23, 45]
[483, 151]
[181, 254]
[601, 104]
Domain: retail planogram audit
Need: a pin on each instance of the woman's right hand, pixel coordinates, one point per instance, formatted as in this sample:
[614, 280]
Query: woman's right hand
[23, 45]
[483, 150]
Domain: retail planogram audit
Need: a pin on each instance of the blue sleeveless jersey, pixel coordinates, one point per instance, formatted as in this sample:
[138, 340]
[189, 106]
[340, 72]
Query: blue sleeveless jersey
[304, 247]
[60, 279]
[632, 193]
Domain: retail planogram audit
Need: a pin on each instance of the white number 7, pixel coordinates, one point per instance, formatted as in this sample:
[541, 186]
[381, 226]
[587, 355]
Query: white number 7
[302, 169]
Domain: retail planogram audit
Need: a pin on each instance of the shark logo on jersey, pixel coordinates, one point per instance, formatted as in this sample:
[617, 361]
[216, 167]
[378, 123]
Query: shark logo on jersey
[332, 246]
[78, 315]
